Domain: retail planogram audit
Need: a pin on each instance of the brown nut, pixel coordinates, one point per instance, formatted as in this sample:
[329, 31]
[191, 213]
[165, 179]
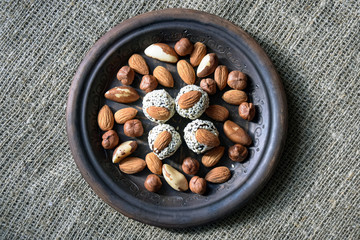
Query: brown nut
[133, 128]
[126, 75]
[148, 83]
[197, 54]
[237, 80]
[190, 166]
[236, 133]
[105, 118]
[217, 113]
[183, 47]
[247, 111]
[220, 76]
[207, 65]
[152, 183]
[197, 185]
[153, 163]
[110, 139]
[138, 64]
[238, 153]
[208, 85]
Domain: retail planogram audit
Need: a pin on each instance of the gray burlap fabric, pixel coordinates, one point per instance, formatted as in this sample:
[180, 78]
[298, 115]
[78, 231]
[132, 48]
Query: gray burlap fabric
[313, 194]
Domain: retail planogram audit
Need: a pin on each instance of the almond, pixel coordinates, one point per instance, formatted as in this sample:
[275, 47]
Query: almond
[236, 134]
[235, 97]
[153, 163]
[218, 175]
[162, 52]
[204, 136]
[158, 113]
[217, 112]
[132, 165]
[197, 54]
[189, 99]
[122, 115]
[122, 94]
[207, 65]
[221, 76]
[138, 64]
[163, 76]
[212, 157]
[105, 118]
[186, 72]
[162, 141]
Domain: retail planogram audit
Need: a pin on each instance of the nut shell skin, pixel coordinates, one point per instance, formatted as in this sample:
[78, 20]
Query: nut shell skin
[110, 139]
[247, 111]
[133, 128]
[148, 83]
[183, 47]
[125, 75]
[237, 80]
[197, 185]
[238, 153]
[190, 166]
[208, 85]
[153, 183]
[207, 65]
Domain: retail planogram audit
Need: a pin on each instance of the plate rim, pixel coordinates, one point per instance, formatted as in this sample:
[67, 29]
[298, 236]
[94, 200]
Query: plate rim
[106, 41]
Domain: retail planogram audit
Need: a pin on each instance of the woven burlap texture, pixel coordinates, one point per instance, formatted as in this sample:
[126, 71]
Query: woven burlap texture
[314, 193]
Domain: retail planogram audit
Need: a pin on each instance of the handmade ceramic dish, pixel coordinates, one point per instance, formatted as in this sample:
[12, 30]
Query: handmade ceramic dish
[126, 193]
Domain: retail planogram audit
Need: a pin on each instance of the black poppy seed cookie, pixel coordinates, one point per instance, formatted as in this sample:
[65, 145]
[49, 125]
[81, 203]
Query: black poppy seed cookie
[158, 99]
[189, 135]
[171, 147]
[198, 108]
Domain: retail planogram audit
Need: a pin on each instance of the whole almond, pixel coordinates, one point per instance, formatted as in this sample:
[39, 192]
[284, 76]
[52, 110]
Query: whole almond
[218, 175]
[132, 165]
[204, 136]
[236, 134]
[189, 99]
[163, 76]
[138, 64]
[186, 72]
[217, 112]
[162, 52]
[124, 150]
[235, 97]
[220, 76]
[125, 114]
[158, 113]
[105, 118]
[153, 163]
[122, 94]
[212, 157]
[197, 54]
[207, 65]
[183, 47]
[162, 141]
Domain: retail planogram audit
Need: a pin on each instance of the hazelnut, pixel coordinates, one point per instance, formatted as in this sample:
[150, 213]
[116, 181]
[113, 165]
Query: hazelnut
[110, 139]
[133, 128]
[152, 183]
[148, 83]
[238, 153]
[197, 185]
[126, 75]
[208, 85]
[183, 47]
[190, 166]
[247, 111]
[237, 80]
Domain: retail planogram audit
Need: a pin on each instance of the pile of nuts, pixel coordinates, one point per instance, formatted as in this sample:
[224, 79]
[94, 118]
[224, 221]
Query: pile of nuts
[207, 64]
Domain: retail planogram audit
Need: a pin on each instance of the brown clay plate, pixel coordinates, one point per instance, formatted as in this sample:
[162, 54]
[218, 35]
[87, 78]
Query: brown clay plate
[126, 193]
